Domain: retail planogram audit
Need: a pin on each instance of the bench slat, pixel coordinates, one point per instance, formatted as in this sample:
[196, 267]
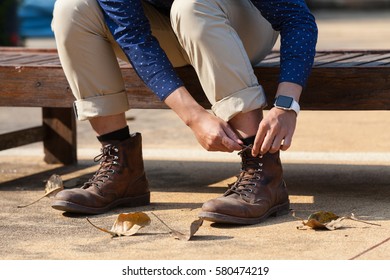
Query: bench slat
[326, 57]
[29, 60]
[8, 57]
[272, 55]
[360, 61]
[32, 87]
[21, 137]
[379, 63]
[43, 83]
[21, 59]
[330, 60]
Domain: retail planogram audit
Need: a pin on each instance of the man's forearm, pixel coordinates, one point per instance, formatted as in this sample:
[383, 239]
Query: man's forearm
[289, 89]
[184, 105]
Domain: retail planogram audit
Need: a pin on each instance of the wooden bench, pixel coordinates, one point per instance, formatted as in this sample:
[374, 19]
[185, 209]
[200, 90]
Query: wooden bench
[340, 80]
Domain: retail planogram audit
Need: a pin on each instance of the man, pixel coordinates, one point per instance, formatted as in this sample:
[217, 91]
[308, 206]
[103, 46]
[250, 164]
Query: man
[221, 39]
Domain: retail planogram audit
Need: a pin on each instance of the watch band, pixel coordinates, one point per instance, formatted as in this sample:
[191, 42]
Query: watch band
[287, 103]
[295, 107]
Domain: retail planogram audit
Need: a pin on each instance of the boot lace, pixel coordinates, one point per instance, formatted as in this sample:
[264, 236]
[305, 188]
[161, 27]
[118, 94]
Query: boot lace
[108, 160]
[251, 173]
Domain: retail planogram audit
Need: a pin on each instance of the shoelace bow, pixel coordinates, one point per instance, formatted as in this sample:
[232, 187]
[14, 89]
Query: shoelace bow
[250, 172]
[107, 159]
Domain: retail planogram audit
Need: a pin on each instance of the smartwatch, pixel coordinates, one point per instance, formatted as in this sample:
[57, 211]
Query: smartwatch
[287, 103]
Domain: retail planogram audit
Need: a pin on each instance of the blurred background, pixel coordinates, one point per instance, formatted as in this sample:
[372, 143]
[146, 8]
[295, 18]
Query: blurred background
[27, 22]
[24, 20]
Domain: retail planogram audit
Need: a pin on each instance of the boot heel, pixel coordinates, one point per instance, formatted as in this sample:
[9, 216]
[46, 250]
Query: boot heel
[282, 210]
[135, 201]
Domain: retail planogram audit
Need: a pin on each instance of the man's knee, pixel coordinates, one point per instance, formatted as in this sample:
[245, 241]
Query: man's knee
[70, 15]
[68, 10]
[180, 8]
[188, 18]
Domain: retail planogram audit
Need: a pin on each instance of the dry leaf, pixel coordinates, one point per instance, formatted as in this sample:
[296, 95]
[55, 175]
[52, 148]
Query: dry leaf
[53, 186]
[327, 220]
[126, 224]
[195, 225]
[322, 220]
[323, 217]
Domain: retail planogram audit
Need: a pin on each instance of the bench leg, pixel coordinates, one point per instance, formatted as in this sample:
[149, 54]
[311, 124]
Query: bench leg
[60, 135]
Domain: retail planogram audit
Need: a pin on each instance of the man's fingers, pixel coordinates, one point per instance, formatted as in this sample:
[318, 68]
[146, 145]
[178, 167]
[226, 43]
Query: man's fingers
[267, 143]
[276, 144]
[286, 143]
[275, 132]
[259, 140]
[227, 145]
[231, 140]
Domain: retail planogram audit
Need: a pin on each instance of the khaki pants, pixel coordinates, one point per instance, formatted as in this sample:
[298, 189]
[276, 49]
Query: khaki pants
[222, 39]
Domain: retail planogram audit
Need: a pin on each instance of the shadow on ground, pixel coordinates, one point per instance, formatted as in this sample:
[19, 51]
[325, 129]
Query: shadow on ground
[343, 188]
[178, 191]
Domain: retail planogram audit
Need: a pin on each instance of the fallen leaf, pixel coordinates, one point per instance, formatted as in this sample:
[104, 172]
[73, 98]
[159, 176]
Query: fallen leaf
[334, 224]
[327, 220]
[53, 186]
[126, 224]
[323, 217]
[195, 225]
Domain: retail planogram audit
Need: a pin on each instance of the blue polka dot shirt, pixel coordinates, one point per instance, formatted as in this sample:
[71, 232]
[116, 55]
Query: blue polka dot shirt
[131, 29]
[298, 33]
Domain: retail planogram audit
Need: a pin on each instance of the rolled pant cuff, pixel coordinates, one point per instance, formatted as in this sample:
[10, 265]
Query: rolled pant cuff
[99, 106]
[242, 101]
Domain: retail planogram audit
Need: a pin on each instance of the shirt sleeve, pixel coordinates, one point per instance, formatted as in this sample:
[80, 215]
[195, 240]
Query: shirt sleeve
[131, 29]
[298, 32]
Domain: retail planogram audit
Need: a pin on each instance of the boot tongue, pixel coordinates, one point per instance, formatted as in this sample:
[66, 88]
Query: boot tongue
[111, 143]
[107, 159]
[250, 163]
[249, 166]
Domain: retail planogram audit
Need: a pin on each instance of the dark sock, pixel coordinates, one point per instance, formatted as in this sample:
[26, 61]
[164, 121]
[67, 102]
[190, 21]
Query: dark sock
[117, 135]
[248, 141]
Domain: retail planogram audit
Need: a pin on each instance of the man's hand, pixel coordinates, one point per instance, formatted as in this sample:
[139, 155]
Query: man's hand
[275, 132]
[212, 133]
[277, 128]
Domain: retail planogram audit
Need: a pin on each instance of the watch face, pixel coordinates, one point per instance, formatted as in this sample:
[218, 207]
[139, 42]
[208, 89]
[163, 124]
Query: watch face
[284, 101]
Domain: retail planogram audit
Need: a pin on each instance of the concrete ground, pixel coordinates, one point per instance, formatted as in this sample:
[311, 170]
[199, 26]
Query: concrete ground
[339, 162]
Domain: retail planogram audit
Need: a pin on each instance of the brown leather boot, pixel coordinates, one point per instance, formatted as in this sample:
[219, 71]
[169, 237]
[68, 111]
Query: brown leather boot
[258, 193]
[120, 181]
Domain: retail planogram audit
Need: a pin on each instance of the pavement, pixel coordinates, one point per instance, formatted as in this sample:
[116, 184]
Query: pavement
[339, 162]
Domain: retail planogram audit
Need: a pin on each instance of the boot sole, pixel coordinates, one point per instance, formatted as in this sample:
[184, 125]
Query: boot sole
[278, 210]
[70, 207]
